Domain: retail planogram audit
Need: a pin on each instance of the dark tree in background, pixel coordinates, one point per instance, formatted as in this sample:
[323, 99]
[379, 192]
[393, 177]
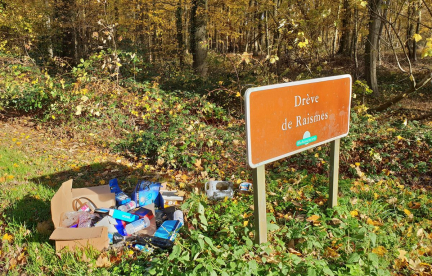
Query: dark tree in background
[198, 36]
[372, 45]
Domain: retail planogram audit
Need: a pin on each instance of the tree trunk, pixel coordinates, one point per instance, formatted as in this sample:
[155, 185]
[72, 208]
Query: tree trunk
[179, 26]
[50, 47]
[381, 29]
[198, 36]
[66, 33]
[336, 33]
[371, 48]
[417, 29]
[345, 30]
[410, 29]
[355, 43]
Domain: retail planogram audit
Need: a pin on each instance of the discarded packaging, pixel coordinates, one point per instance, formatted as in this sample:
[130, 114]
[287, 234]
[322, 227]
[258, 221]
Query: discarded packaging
[125, 216]
[245, 187]
[178, 215]
[171, 198]
[147, 192]
[137, 225]
[89, 217]
[83, 204]
[168, 229]
[165, 214]
[62, 202]
[85, 220]
[219, 189]
[128, 206]
[69, 219]
[143, 248]
[156, 241]
[121, 198]
[64, 216]
[109, 223]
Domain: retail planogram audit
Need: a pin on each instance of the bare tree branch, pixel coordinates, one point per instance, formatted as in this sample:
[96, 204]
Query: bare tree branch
[403, 15]
[427, 7]
[400, 41]
[394, 52]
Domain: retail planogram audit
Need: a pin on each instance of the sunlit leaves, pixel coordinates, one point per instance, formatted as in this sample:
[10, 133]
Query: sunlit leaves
[427, 49]
[417, 37]
[304, 43]
[7, 237]
[380, 250]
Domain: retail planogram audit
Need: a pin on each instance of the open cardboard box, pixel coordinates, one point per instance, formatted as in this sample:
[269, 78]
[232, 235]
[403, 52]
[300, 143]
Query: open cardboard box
[97, 237]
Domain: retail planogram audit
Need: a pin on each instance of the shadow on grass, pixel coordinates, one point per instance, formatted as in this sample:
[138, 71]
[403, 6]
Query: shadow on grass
[97, 174]
[28, 211]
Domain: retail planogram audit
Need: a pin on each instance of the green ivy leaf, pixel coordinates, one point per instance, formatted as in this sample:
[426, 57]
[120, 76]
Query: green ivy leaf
[175, 253]
[373, 238]
[327, 271]
[272, 227]
[354, 258]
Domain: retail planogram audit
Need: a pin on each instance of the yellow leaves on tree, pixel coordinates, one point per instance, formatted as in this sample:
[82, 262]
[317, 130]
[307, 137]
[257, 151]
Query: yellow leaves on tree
[417, 37]
[427, 50]
[304, 43]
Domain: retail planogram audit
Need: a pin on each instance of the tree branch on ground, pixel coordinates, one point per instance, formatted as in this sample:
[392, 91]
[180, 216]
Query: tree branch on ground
[407, 93]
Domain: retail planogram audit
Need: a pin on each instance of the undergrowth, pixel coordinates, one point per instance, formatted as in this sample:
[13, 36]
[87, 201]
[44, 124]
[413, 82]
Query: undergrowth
[381, 226]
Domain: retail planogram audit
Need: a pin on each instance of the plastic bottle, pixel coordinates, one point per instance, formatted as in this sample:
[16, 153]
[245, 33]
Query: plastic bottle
[137, 225]
[117, 214]
[178, 215]
[128, 206]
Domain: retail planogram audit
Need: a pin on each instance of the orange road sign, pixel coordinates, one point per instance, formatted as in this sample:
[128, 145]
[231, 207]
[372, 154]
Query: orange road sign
[284, 119]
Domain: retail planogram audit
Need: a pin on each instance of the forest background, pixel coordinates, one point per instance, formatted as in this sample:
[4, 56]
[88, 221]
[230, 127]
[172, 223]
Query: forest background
[97, 89]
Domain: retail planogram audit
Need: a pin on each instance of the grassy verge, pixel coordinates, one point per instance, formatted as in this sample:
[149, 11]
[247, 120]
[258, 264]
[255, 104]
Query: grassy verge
[99, 130]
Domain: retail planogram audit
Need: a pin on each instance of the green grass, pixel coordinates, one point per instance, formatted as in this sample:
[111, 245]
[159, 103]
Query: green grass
[363, 235]
[381, 226]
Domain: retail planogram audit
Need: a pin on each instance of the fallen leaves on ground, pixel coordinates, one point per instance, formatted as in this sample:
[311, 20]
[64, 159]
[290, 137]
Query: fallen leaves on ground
[103, 261]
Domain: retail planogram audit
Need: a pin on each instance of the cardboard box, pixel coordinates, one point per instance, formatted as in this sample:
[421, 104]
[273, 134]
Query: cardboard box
[74, 238]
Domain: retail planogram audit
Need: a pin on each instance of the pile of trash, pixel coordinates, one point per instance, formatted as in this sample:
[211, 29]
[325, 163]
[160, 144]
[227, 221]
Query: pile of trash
[105, 217]
[147, 220]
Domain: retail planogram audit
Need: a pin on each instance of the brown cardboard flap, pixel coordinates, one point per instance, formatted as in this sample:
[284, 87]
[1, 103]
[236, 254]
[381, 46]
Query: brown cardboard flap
[61, 202]
[104, 189]
[67, 234]
[101, 196]
[98, 243]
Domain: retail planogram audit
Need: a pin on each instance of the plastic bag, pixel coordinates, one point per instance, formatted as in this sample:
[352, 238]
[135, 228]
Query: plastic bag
[69, 219]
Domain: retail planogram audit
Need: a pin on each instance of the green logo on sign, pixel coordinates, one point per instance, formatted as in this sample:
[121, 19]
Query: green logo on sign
[306, 141]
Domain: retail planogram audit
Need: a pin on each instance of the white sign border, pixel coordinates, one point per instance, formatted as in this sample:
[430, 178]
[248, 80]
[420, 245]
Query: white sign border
[294, 83]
